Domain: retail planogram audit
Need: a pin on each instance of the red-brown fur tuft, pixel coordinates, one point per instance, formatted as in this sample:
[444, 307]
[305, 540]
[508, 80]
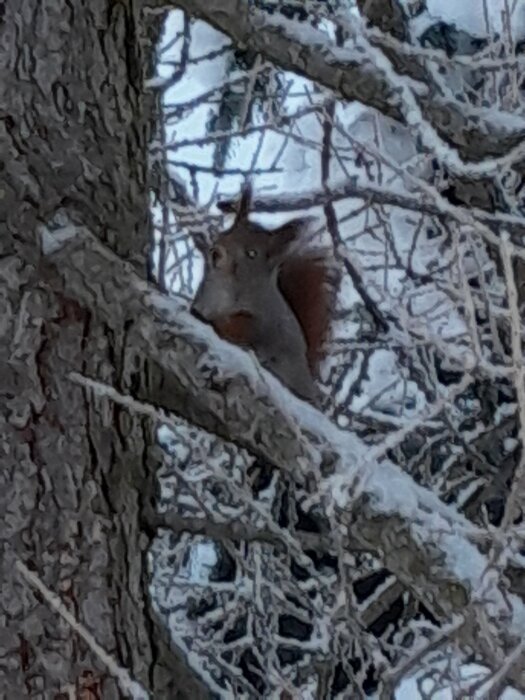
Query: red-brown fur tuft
[305, 284]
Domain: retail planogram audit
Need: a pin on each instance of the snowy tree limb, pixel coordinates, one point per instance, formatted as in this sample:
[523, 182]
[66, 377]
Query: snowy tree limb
[427, 544]
[352, 74]
[429, 202]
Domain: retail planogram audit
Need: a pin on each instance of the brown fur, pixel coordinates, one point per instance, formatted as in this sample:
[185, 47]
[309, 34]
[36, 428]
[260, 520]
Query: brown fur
[305, 285]
[236, 328]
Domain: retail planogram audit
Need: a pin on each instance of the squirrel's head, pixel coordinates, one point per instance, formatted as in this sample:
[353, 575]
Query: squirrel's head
[242, 261]
[246, 247]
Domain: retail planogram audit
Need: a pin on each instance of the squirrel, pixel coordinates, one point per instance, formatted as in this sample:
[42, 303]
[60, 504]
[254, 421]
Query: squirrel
[260, 292]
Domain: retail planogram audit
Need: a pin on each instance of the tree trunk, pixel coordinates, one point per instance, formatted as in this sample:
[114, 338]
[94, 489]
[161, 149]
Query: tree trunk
[75, 475]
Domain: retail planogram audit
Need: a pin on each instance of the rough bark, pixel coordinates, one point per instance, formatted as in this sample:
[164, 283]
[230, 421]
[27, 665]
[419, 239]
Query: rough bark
[74, 126]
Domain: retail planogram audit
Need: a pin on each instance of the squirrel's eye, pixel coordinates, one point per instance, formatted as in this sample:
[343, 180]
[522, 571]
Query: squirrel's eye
[251, 253]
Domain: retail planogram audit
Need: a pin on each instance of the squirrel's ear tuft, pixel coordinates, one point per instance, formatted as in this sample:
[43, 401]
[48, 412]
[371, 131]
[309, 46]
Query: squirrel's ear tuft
[245, 203]
[201, 241]
[282, 237]
[240, 206]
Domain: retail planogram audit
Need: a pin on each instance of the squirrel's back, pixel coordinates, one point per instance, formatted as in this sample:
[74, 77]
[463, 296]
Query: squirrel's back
[307, 286]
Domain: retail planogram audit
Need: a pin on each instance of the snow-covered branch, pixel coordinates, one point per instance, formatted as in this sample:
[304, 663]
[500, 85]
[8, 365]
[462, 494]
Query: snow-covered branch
[428, 545]
[354, 75]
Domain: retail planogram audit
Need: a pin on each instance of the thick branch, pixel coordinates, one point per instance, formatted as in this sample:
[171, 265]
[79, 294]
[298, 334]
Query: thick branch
[231, 530]
[427, 544]
[375, 194]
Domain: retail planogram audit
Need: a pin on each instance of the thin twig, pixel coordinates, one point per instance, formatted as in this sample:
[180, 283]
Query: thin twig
[128, 686]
